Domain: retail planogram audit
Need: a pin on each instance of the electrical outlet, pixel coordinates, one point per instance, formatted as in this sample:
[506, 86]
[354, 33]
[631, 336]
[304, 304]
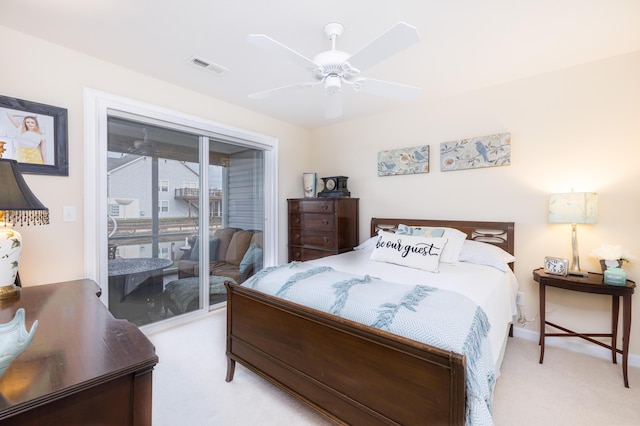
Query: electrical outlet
[520, 298]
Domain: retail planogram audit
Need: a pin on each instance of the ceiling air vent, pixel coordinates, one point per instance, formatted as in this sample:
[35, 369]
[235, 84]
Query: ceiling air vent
[208, 65]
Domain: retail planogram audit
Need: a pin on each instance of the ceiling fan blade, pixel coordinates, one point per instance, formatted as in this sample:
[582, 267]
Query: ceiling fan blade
[291, 87]
[395, 39]
[333, 105]
[270, 44]
[387, 89]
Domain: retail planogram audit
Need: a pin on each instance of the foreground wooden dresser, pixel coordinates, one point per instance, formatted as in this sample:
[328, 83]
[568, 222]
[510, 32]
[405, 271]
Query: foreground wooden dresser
[323, 226]
[83, 367]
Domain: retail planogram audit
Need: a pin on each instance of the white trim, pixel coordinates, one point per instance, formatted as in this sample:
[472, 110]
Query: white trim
[203, 221]
[271, 207]
[574, 345]
[97, 105]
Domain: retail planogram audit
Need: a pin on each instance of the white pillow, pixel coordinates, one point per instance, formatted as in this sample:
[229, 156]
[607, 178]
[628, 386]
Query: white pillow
[407, 250]
[455, 240]
[486, 254]
[370, 243]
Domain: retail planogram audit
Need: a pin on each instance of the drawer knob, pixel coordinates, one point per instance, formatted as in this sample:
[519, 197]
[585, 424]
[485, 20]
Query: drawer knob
[296, 237]
[325, 207]
[325, 222]
[325, 239]
[297, 220]
[297, 254]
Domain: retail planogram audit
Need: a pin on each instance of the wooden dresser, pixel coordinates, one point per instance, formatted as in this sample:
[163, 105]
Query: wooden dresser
[323, 226]
[83, 367]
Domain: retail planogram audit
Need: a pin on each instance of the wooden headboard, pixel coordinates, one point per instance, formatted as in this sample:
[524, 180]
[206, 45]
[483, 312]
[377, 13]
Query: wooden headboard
[500, 234]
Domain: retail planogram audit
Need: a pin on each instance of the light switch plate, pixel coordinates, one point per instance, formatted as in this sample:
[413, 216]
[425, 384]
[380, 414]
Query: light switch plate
[69, 214]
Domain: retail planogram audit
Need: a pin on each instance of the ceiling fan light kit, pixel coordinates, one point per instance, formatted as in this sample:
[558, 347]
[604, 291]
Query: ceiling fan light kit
[332, 85]
[332, 68]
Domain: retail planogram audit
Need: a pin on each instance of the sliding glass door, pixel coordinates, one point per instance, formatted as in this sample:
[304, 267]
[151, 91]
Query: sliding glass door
[168, 189]
[158, 183]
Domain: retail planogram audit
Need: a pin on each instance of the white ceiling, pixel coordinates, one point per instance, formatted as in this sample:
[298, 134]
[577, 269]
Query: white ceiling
[465, 45]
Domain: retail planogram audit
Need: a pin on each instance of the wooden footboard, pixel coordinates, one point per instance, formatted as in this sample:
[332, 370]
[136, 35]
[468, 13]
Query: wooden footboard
[350, 373]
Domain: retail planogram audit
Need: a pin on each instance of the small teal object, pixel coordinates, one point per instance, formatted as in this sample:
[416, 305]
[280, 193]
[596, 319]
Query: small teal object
[615, 276]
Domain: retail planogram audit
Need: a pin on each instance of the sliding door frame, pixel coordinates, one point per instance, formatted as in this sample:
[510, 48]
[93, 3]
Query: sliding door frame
[97, 107]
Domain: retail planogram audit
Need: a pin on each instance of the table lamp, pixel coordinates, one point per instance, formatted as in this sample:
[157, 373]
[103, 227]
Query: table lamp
[18, 205]
[574, 208]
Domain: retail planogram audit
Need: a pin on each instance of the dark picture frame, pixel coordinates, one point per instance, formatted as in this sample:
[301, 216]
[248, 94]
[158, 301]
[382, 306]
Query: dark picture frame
[52, 125]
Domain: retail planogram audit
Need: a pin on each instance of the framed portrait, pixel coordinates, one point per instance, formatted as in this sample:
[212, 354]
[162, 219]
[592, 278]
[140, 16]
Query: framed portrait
[35, 135]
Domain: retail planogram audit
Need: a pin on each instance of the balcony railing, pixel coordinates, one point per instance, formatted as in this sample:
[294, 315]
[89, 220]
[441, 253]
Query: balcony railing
[191, 193]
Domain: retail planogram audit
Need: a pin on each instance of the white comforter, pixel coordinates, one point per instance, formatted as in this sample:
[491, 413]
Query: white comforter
[493, 290]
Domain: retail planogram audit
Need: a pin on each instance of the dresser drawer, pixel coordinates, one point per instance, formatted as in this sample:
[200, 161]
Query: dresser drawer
[312, 238]
[302, 254]
[319, 222]
[313, 205]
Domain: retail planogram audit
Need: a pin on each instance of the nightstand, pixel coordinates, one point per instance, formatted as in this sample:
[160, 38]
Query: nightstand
[593, 283]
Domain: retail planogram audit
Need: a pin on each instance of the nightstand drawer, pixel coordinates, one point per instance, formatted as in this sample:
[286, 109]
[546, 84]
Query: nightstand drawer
[319, 222]
[313, 205]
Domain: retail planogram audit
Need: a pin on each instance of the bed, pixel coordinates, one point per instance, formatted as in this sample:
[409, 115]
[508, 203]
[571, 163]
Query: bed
[357, 374]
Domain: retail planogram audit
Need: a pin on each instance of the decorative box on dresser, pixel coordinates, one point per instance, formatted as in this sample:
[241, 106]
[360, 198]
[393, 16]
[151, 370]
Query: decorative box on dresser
[323, 226]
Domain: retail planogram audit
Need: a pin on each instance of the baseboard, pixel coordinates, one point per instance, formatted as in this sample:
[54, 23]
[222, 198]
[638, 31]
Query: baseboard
[574, 345]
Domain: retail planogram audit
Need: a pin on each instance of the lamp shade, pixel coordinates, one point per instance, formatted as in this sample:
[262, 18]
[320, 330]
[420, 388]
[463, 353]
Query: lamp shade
[573, 207]
[16, 199]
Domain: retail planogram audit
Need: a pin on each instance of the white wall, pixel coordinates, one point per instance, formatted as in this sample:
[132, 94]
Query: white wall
[39, 71]
[575, 128]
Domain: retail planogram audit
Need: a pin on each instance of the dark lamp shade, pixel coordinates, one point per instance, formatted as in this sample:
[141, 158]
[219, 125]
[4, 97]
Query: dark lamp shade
[16, 199]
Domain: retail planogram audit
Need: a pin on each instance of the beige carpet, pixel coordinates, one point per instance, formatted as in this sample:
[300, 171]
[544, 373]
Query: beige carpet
[568, 389]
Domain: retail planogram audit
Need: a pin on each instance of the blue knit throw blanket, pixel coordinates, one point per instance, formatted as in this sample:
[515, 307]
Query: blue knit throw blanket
[440, 318]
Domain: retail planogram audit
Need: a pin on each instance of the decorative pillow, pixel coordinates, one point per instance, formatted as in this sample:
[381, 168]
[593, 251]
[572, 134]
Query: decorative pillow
[407, 250]
[455, 240]
[214, 244]
[251, 257]
[454, 237]
[419, 231]
[486, 254]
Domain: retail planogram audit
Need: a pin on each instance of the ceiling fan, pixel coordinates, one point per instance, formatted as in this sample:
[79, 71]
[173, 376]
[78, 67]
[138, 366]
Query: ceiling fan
[334, 68]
